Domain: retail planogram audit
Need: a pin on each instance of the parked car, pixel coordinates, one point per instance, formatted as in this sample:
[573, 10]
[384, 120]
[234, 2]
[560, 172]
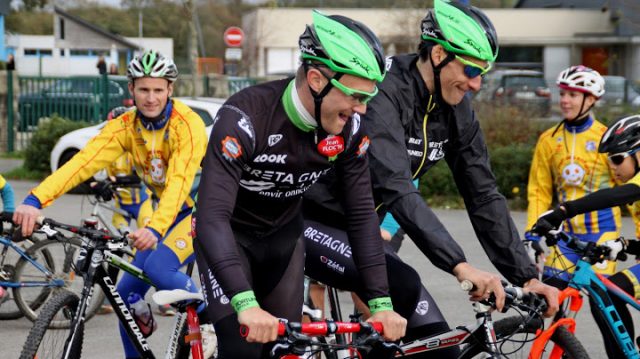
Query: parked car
[526, 89]
[618, 92]
[71, 143]
[76, 98]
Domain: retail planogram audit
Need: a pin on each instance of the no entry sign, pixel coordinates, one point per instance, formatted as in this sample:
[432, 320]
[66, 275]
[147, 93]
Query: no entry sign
[233, 36]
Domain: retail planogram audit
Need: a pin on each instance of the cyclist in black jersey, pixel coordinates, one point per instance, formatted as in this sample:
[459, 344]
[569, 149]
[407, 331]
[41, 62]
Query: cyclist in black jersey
[269, 144]
[420, 116]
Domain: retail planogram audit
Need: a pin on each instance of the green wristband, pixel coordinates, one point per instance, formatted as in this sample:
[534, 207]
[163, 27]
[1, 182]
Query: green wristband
[380, 304]
[243, 301]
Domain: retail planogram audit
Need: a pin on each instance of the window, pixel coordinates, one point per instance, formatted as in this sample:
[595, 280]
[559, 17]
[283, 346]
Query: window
[523, 56]
[38, 52]
[80, 52]
[61, 28]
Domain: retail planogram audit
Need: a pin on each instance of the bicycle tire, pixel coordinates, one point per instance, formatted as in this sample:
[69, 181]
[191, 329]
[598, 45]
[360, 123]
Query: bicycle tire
[64, 303]
[30, 299]
[9, 310]
[508, 327]
[183, 349]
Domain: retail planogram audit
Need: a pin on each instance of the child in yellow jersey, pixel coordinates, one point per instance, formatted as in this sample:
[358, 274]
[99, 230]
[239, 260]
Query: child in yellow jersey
[621, 142]
[567, 166]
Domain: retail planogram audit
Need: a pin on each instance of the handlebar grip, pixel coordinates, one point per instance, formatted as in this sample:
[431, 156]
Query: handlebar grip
[130, 243]
[378, 327]
[467, 286]
[244, 330]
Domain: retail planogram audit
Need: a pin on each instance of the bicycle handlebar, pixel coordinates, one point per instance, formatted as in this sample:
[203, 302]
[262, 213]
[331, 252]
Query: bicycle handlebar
[323, 328]
[591, 252]
[514, 297]
[296, 338]
[87, 232]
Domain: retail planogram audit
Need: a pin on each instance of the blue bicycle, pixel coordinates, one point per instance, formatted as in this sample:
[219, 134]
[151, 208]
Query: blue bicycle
[41, 269]
[599, 288]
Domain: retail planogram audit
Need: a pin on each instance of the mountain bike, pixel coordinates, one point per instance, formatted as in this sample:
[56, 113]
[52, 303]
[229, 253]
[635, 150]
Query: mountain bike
[42, 269]
[509, 337]
[99, 261]
[585, 280]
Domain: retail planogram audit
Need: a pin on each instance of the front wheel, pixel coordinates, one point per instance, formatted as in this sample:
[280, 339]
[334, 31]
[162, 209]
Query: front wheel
[58, 257]
[515, 335]
[45, 343]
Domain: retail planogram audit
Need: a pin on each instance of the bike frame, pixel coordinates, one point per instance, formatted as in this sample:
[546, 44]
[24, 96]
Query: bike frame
[599, 288]
[480, 334]
[92, 263]
[8, 243]
[95, 212]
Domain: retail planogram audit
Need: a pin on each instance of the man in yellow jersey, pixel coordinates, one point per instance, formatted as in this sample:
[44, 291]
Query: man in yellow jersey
[167, 141]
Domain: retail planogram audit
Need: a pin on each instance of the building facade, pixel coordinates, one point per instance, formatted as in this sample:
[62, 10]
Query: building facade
[541, 38]
[75, 47]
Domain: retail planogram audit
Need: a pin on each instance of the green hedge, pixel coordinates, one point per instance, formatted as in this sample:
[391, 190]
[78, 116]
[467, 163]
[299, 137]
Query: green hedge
[511, 137]
[44, 138]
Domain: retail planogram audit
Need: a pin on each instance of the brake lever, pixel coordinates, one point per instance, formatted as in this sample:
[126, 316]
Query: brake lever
[393, 346]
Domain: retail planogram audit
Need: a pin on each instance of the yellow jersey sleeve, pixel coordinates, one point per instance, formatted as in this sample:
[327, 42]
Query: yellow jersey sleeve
[2, 182]
[99, 152]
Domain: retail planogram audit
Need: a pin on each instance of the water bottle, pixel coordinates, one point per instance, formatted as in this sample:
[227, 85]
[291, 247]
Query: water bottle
[142, 314]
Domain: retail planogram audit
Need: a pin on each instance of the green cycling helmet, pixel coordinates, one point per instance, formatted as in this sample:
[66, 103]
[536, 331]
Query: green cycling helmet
[461, 29]
[152, 64]
[344, 45]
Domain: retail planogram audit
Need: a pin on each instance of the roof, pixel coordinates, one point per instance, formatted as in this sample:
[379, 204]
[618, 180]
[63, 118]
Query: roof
[577, 4]
[96, 28]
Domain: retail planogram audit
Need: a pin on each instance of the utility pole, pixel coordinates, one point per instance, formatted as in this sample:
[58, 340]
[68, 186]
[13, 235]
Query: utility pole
[193, 44]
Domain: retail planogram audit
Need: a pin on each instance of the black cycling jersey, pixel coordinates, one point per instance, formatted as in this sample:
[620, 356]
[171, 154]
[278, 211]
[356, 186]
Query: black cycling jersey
[400, 152]
[256, 168]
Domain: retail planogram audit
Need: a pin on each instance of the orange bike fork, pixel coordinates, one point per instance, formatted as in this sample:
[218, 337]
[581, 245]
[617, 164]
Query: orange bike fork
[543, 336]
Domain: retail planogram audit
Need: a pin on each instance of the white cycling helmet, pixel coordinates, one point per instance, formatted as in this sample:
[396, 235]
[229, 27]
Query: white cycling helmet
[152, 64]
[583, 79]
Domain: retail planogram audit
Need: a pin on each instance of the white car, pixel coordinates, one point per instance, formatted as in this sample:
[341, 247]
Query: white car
[71, 143]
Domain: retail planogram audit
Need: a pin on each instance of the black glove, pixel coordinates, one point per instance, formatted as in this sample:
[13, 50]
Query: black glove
[6, 216]
[549, 221]
[103, 190]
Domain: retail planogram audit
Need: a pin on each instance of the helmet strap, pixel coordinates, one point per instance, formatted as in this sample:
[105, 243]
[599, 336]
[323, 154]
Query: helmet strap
[436, 71]
[582, 111]
[319, 96]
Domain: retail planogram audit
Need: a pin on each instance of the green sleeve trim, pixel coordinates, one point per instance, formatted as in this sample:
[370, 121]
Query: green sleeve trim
[243, 301]
[380, 304]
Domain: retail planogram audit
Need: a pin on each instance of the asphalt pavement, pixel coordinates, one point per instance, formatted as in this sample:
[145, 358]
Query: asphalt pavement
[102, 339]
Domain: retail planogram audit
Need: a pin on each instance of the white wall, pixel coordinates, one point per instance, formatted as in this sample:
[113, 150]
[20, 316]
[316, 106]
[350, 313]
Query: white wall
[556, 59]
[281, 60]
[633, 65]
[61, 63]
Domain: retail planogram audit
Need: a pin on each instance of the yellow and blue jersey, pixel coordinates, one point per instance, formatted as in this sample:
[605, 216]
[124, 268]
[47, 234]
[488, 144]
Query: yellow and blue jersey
[123, 166]
[566, 164]
[166, 156]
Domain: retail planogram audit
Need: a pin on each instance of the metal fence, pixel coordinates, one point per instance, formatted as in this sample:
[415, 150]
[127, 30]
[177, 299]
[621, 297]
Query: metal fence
[78, 98]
